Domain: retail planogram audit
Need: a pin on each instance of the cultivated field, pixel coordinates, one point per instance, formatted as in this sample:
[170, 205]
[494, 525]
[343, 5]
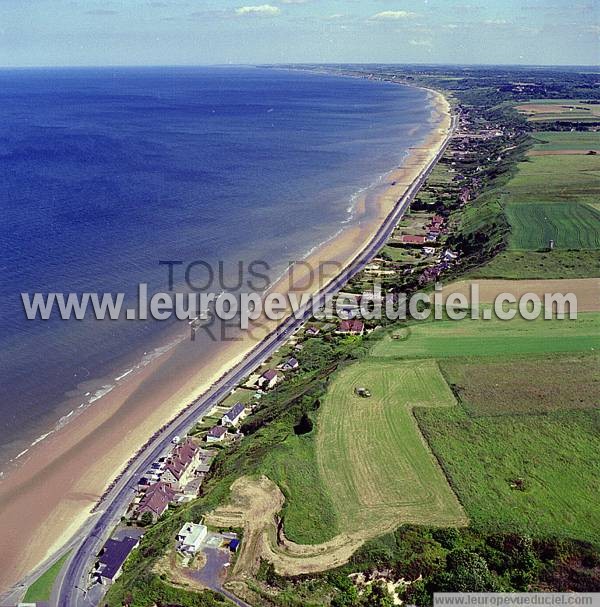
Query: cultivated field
[372, 457]
[560, 109]
[587, 290]
[447, 338]
[571, 225]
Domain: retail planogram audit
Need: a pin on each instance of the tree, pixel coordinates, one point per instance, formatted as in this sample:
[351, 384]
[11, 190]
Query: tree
[466, 571]
[146, 519]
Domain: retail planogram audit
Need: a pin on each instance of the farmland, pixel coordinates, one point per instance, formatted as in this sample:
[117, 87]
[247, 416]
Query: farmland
[561, 178]
[561, 141]
[536, 474]
[519, 448]
[372, 457]
[560, 109]
[446, 338]
[540, 264]
[570, 226]
[535, 384]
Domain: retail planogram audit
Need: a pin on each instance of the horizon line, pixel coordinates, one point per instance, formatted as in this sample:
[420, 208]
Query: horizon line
[298, 63]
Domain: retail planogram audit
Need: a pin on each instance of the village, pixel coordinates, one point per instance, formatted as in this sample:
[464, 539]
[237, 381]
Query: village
[419, 252]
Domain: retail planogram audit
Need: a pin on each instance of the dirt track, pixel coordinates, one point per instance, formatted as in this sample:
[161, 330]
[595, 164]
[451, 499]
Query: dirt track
[254, 505]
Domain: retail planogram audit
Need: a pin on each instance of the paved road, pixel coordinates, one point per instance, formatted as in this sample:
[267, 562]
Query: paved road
[69, 590]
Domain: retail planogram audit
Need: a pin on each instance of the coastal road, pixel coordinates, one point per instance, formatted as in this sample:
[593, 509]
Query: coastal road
[70, 588]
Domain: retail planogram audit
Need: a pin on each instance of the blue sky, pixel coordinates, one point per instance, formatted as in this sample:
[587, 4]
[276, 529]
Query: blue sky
[156, 32]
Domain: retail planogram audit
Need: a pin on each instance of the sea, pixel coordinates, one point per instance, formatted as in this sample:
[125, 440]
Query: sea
[107, 172]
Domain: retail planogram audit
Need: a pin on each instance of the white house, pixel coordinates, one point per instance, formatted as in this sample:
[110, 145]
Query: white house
[190, 536]
[234, 415]
[268, 379]
[216, 434]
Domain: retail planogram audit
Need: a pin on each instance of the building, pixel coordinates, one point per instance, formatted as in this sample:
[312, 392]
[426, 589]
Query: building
[156, 500]
[312, 331]
[234, 415]
[411, 239]
[290, 364]
[181, 464]
[190, 537]
[109, 565]
[216, 434]
[351, 327]
[268, 379]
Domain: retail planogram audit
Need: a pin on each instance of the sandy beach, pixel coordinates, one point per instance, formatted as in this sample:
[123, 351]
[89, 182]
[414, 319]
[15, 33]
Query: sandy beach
[49, 496]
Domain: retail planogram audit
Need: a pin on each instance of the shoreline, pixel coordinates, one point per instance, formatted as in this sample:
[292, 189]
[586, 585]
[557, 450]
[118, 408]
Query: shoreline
[101, 440]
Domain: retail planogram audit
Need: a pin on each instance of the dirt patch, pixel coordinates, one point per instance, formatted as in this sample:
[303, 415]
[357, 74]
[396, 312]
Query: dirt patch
[587, 290]
[171, 566]
[254, 505]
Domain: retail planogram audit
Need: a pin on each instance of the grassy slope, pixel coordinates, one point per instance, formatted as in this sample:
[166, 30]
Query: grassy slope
[309, 515]
[538, 264]
[372, 456]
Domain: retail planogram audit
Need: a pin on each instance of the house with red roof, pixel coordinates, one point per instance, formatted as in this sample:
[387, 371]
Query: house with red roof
[180, 466]
[351, 327]
[156, 500]
[269, 379]
[412, 239]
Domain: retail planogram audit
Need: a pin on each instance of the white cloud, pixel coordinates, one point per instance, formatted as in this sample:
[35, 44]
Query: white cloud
[496, 22]
[392, 16]
[263, 9]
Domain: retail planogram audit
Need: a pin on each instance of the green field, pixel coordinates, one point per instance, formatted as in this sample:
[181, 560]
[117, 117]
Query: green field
[446, 338]
[377, 468]
[41, 589]
[533, 264]
[554, 456]
[571, 225]
[551, 141]
[566, 110]
[561, 178]
[552, 197]
[533, 384]
[308, 513]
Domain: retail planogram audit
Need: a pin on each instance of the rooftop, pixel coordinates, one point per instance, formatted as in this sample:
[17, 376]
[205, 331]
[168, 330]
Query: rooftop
[113, 555]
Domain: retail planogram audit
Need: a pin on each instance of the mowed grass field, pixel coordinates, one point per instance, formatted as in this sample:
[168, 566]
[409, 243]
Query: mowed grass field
[520, 447]
[570, 225]
[551, 197]
[447, 338]
[377, 468]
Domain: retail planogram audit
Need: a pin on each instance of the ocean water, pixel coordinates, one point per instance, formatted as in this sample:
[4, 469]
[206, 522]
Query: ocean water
[106, 172]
